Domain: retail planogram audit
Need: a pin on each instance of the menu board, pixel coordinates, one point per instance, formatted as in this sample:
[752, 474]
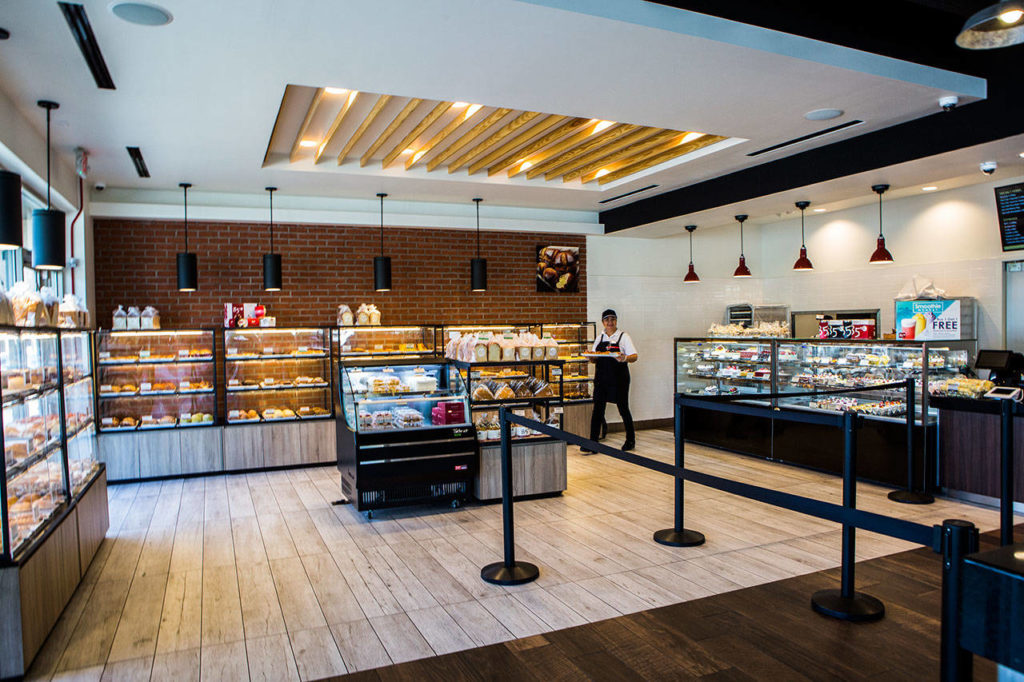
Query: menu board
[1010, 204]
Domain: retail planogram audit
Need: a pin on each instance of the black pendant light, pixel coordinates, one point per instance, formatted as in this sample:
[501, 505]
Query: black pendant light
[881, 254]
[271, 261]
[10, 211]
[741, 270]
[188, 264]
[478, 265]
[382, 263]
[803, 263]
[998, 25]
[691, 274]
[48, 223]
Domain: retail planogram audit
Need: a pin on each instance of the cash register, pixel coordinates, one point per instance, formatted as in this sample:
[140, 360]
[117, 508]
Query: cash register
[1005, 370]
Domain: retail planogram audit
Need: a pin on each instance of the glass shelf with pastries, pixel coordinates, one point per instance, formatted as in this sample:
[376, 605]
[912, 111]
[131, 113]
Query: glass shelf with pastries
[384, 342]
[277, 374]
[380, 396]
[716, 366]
[821, 364]
[155, 379]
[531, 388]
[573, 340]
[79, 407]
[446, 333]
[34, 475]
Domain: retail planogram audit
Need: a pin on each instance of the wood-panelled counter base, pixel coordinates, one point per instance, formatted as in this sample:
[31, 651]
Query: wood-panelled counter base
[34, 592]
[537, 469]
[969, 453]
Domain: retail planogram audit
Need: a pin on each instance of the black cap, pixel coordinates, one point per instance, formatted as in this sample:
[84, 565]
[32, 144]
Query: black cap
[608, 313]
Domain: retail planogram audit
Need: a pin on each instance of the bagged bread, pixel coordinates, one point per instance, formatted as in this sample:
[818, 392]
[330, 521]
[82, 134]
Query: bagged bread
[374, 314]
[482, 392]
[71, 313]
[29, 310]
[345, 317]
[150, 318]
[362, 314]
[52, 305]
[6, 310]
[134, 318]
[120, 319]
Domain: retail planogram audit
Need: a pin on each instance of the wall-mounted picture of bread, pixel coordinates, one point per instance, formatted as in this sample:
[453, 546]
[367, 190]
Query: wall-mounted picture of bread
[558, 269]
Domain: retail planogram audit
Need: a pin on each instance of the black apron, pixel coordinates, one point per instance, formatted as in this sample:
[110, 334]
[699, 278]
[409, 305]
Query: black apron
[611, 377]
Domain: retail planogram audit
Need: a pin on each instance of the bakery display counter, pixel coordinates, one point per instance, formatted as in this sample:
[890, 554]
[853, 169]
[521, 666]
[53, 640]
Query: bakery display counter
[363, 341]
[577, 385]
[155, 379]
[79, 406]
[748, 367]
[403, 433]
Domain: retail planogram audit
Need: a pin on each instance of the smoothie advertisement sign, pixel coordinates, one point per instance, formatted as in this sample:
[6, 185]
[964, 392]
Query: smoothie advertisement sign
[928, 320]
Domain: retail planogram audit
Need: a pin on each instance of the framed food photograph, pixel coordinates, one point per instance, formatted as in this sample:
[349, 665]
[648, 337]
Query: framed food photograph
[558, 269]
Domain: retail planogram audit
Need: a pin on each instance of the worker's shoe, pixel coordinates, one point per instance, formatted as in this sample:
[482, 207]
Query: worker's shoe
[629, 445]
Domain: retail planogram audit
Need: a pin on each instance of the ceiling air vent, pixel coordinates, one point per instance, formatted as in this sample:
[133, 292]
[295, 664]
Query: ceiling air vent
[140, 163]
[798, 140]
[627, 194]
[81, 29]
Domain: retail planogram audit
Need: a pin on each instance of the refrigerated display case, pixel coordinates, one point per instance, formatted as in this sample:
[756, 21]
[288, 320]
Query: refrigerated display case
[156, 379]
[277, 374]
[764, 366]
[387, 342]
[79, 406]
[403, 433]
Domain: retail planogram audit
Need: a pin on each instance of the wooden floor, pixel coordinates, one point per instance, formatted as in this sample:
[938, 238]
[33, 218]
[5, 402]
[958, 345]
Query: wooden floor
[259, 576]
[767, 632]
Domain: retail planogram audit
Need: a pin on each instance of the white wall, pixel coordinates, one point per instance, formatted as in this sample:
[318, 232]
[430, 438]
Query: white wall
[950, 237]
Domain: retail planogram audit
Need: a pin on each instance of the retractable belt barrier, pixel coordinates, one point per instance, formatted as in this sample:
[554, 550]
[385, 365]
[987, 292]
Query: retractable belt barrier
[953, 539]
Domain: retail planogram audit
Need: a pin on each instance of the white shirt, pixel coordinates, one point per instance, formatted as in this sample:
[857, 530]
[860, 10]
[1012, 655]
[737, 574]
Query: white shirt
[621, 337]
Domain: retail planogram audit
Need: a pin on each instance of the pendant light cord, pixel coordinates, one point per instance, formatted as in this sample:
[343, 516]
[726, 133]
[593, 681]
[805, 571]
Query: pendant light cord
[879, 214]
[691, 247]
[741, 239]
[803, 243]
[382, 223]
[271, 190]
[48, 159]
[185, 190]
[477, 226]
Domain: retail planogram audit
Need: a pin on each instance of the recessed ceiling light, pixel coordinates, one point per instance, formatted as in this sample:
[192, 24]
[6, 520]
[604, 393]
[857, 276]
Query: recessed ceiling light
[602, 125]
[601, 173]
[1011, 16]
[1021, 155]
[417, 156]
[459, 105]
[408, 150]
[335, 91]
[820, 210]
[929, 188]
[823, 114]
[307, 143]
[690, 137]
[141, 13]
[526, 165]
[473, 108]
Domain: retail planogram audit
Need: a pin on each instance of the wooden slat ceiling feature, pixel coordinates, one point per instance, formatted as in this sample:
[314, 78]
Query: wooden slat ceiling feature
[338, 120]
[430, 134]
[310, 113]
[381, 102]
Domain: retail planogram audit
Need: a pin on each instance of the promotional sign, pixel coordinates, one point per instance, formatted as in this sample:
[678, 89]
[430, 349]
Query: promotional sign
[846, 329]
[928, 320]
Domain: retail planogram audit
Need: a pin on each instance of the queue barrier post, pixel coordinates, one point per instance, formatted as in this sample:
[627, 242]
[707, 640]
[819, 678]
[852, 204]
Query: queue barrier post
[846, 603]
[509, 571]
[909, 495]
[679, 535]
[1006, 466]
[959, 538]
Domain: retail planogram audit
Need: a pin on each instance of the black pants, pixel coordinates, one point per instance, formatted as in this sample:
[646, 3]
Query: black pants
[598, 417]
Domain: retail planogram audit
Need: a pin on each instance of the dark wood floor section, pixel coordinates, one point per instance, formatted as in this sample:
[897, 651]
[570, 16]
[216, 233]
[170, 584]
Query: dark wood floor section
[766, 632]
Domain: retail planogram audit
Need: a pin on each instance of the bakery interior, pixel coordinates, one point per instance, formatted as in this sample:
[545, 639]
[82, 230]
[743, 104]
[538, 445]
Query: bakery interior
[272, 272]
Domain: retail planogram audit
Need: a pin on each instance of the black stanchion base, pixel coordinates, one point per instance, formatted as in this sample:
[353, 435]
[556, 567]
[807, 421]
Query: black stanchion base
[859, 608]
[679, 538]
[911, 497]
[500, 574]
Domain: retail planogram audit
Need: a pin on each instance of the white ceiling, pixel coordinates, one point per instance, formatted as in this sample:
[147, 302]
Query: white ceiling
[199, 96]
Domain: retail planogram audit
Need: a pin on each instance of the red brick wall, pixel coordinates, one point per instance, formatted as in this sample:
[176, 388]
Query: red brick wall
[324, 266]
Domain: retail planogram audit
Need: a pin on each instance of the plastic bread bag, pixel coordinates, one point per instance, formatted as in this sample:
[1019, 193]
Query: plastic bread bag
[29, 310]
[150, 318]
[374, 314]
[6, 310]
[345, 317]
[71, 313]
[134, 318]
[120, 319]
[362, 314]
[52, 304]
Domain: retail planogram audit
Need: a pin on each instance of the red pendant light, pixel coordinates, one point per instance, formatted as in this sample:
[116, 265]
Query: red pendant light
[691, 274]
[741, 270]
[881, 254]
[803, 263]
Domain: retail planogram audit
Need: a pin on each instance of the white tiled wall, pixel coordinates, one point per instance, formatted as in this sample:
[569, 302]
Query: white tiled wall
[950, 237]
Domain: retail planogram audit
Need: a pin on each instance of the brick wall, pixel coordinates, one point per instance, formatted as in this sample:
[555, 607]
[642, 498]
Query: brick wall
[324, 266]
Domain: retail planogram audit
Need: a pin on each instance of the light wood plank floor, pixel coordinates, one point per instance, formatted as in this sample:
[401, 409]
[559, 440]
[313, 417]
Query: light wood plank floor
[258, 576]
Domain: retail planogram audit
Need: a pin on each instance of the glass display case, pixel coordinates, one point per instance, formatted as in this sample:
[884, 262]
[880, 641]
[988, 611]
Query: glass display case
[155, 379]
[573, 340]
[277, 374]
[404, 433]
[79, 414]
[724, 366]
[389, 342]
[34, 481]
[530, 388]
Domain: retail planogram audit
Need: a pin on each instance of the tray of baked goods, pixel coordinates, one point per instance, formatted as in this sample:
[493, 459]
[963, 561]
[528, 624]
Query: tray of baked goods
[275, 384]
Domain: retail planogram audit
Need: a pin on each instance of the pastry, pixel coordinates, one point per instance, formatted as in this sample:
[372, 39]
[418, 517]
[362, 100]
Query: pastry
[482, 392]
[505, 393]
[167, 420]
[128, 421]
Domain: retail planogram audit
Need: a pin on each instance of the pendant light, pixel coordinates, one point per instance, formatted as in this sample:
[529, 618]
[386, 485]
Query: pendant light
[271, 261]
[188, 264]
[881, 254]
[998, 25]
[803, 263]
[382, 263]
[48, 223]
[741, 270]
[691, 274]
[10, 211]
[478, 265]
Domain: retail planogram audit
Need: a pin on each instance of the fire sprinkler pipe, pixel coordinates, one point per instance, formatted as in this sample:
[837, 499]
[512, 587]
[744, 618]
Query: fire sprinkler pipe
[81, 206]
